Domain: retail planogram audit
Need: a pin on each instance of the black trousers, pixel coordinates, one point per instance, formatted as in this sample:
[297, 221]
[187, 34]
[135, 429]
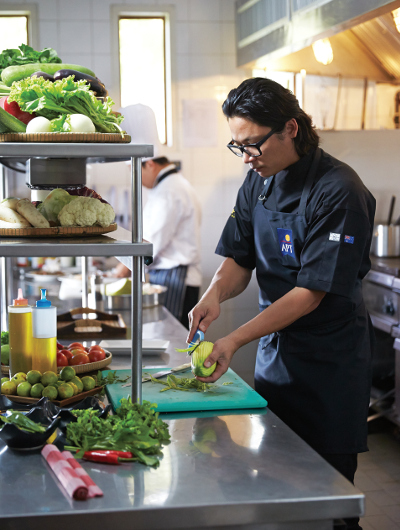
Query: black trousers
[190, 300]
[346, 464]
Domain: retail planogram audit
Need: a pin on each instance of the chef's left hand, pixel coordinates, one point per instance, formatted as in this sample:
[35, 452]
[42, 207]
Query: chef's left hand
[222, 354]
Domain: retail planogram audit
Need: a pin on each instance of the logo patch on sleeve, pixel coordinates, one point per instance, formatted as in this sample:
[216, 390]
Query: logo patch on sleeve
[334, 237]
[349, 239]
[285, 242]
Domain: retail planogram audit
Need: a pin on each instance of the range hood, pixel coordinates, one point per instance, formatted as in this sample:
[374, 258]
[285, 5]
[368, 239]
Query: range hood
[278, 34]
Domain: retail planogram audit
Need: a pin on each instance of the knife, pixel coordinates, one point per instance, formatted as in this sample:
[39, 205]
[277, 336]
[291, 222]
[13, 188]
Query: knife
[162, 373]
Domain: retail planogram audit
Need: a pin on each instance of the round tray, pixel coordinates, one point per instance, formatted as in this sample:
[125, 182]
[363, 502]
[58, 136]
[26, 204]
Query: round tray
[58, 231]
[66, 137]
[79, 368]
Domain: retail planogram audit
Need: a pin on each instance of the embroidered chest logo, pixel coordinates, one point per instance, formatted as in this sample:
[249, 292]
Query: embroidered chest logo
[285, 242]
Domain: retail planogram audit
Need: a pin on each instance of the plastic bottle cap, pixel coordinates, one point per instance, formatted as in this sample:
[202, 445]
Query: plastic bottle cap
[43, 302]
[20, 300]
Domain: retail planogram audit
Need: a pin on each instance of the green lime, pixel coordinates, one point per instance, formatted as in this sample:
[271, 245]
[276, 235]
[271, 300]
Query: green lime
[74, 387]
[24, 389]
[4, 380]
[67, 373]
[88, 383]
[18, 378]
[36, 390]
[5, 354]
[33, 377]
[9, 388]
[65, 391]
[50, 392]
[49, 378]
[78, 382]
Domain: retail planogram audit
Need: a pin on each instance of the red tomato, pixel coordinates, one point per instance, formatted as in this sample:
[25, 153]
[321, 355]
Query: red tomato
[79, 358]
[14, 109]
[96, 348]
[96, 355]
[74, 351]
[59, 345]
[75, 345]
[66, 354]
[61, 359]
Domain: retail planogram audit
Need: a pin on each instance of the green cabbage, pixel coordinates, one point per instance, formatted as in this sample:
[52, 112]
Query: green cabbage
[54, 203]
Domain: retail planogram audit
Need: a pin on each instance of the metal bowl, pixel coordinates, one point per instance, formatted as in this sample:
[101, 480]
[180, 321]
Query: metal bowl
[153, 295]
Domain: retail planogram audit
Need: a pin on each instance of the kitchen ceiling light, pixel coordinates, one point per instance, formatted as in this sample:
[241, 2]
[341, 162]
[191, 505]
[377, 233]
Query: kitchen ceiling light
[323, 51]
[396, 18]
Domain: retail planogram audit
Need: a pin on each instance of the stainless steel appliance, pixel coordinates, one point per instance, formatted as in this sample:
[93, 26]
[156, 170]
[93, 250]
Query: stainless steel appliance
[381, 289]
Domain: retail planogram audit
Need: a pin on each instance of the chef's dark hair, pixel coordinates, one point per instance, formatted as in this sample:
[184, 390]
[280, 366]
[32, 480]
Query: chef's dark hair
[269, 104]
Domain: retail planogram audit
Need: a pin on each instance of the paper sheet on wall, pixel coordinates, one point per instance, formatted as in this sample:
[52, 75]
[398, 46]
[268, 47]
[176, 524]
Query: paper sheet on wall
[200, 122]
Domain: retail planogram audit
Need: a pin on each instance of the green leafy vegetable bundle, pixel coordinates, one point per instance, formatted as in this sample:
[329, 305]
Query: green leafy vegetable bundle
[25, 55]
[135, 428]
[55, 100]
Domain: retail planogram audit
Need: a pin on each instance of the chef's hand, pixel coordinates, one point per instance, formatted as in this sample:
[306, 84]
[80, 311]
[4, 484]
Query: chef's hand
[201, 316]
[222, 354]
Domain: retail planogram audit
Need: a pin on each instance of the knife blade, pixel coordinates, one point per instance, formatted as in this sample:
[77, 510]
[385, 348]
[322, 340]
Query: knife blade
[162, 373]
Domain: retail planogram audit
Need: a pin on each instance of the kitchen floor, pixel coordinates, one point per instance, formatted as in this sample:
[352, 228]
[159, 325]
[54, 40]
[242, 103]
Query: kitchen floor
[378, 477]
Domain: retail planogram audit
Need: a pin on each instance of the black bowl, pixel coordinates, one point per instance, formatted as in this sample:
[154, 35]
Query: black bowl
[15, 438]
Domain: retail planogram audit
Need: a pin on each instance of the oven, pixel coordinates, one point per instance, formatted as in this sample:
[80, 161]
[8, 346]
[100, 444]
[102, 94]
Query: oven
[381, 288]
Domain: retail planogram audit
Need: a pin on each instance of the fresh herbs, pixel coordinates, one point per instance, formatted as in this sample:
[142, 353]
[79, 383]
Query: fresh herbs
[55, 99]
[22, 422]
[5, 337]
[25, 55]
[135, 428]
[181, 383]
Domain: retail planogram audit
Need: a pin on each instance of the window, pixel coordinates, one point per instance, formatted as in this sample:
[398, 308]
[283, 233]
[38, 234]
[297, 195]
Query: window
[13, 31]
[143, 62]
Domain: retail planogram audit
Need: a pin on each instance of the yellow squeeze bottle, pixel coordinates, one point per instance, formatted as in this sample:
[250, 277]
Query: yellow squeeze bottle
[20, 334]
[44, 331]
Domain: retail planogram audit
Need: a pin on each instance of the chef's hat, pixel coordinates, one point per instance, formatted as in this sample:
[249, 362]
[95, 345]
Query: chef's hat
[140, 123]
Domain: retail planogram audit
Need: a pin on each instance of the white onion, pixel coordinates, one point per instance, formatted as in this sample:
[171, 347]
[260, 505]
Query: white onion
[39, 124]
[81, 123]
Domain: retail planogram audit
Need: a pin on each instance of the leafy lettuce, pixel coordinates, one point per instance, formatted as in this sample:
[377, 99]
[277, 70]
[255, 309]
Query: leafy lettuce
[55, 99]
[25, 54]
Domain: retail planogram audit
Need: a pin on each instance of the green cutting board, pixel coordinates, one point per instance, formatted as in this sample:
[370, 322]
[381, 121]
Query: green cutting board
[238, 395]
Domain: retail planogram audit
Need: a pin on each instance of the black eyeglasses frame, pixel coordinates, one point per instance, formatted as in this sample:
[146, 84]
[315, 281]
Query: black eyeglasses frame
[242, 148]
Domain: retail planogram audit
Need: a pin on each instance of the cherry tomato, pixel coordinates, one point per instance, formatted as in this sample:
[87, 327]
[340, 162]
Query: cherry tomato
[14, 109]
[79, 358]
[59, 345]
[61, 359]
[66, 354]
[75, 345]
[96, 355]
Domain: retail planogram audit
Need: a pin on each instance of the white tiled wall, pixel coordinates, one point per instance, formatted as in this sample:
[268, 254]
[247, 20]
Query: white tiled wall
[205, 59]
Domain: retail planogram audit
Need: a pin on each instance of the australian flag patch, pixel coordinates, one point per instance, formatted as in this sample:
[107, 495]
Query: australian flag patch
[349, 239]
[285, 242]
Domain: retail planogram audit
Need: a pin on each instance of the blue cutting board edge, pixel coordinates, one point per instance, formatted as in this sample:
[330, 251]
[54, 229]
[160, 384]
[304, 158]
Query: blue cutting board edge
[238, 395]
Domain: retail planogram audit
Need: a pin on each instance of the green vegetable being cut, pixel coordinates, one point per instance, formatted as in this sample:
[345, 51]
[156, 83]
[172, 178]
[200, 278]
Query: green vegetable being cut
[199, 353]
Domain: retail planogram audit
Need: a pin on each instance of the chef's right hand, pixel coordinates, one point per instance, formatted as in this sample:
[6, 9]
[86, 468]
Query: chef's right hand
[201, 316]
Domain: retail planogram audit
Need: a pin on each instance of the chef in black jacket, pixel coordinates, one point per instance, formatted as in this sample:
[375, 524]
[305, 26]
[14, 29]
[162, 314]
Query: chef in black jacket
[303, 220]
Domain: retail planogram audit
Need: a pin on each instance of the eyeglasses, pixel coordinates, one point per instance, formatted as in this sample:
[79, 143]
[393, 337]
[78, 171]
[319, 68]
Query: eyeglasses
[250, 149]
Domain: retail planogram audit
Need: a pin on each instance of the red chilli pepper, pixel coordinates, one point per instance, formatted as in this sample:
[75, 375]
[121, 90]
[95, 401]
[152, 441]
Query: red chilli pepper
[107, 457]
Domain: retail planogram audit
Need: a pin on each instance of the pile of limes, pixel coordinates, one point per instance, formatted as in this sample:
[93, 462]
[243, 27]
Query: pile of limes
[36, 385]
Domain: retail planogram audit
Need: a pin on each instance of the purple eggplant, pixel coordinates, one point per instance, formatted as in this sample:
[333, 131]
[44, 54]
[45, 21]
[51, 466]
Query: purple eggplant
[48, 77]
[95, 84]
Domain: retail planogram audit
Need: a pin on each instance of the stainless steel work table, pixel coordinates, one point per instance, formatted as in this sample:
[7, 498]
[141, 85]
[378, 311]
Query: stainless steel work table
[224, 470]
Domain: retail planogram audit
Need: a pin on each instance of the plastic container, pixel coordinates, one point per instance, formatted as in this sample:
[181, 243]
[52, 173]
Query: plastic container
[20, 330]
[44, 335]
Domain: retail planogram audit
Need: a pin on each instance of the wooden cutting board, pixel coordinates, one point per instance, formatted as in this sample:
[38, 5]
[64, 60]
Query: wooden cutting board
[235, 395]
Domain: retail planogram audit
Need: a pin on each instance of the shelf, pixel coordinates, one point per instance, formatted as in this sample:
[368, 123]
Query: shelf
[78, 150]
[88, 246]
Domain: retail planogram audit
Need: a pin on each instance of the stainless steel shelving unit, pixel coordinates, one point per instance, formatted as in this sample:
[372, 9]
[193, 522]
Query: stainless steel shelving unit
[105, 245]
